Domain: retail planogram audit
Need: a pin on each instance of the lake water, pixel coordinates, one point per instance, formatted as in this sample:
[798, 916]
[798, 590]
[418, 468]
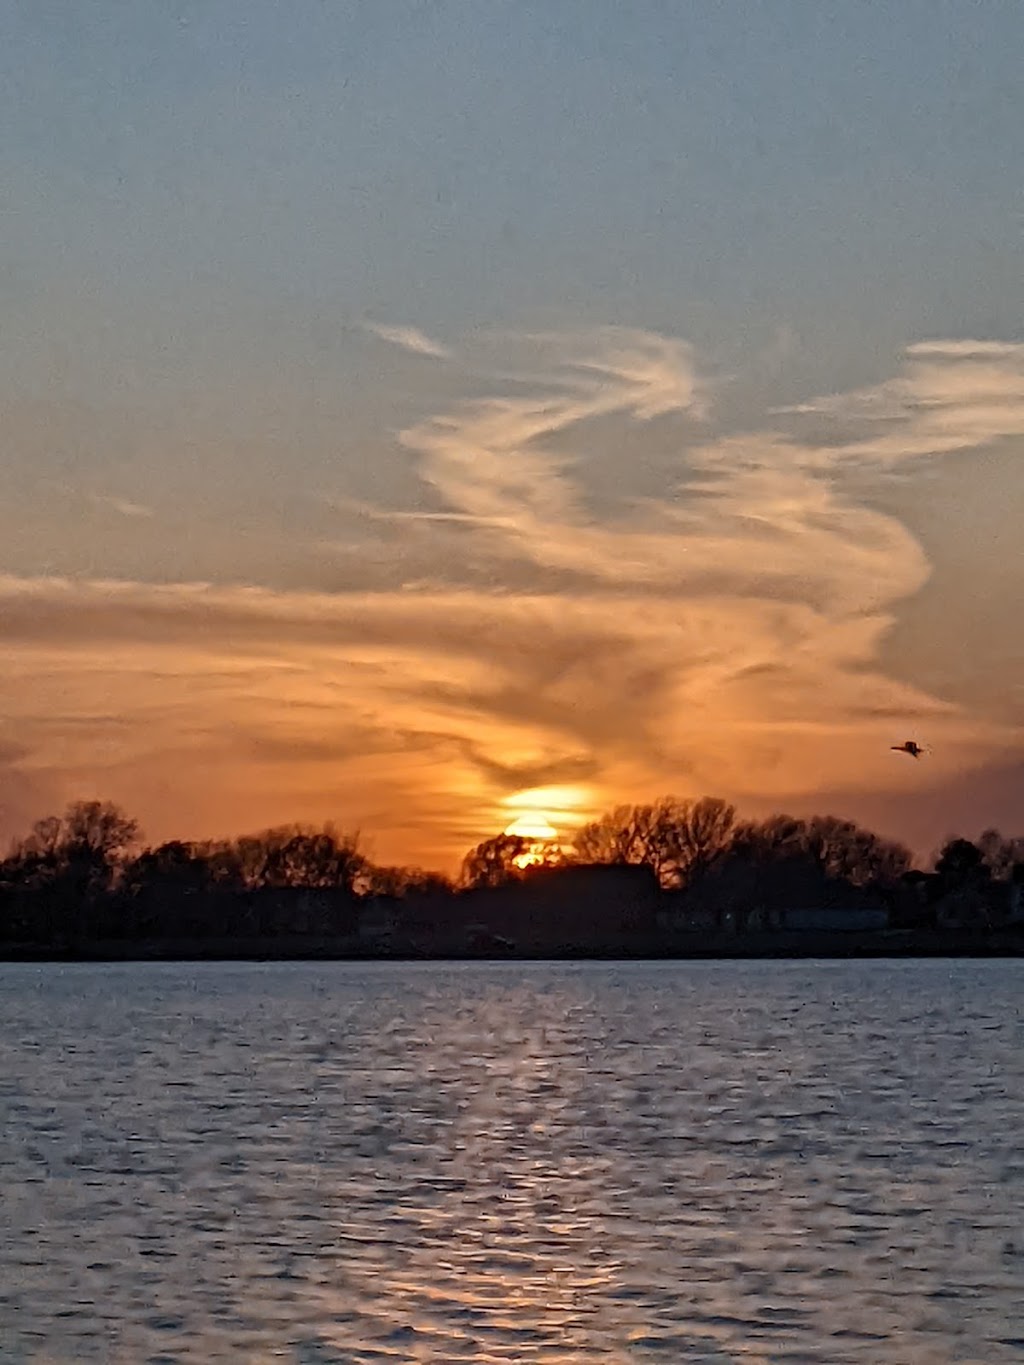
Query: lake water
[757, 1162]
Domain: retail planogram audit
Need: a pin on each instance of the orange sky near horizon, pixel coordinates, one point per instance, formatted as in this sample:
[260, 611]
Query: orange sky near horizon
[724, 639]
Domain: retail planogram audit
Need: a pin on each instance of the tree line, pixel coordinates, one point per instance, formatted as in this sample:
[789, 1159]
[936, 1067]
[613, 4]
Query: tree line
[86, 875]
[681, 840]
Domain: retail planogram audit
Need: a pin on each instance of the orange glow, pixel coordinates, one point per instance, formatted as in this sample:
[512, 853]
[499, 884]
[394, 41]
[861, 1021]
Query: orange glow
[532, 825]
[535, 826]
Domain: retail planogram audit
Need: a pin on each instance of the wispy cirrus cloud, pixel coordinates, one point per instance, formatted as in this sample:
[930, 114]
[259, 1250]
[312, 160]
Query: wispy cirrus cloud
[367, 511]
[756, 514]
[103, 502]
[951, 395]
[124, 507]
[492, 459]
[410, 339]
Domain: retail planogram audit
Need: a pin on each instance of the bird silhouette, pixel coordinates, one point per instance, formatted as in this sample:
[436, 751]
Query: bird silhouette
[909, 746]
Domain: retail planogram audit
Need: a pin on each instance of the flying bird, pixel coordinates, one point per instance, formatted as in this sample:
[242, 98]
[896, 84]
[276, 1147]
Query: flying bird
[909, 746]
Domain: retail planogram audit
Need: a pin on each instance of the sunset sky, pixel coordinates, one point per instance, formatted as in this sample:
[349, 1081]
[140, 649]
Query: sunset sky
[427, 416]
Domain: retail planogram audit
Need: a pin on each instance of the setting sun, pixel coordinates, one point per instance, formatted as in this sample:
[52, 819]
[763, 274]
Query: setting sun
[542, 838]
[532, 824]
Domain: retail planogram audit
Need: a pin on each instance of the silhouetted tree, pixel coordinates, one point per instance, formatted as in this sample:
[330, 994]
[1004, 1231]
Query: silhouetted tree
[641, 834]
[173, 864]
[963, 885]
[71, 863]
[1000, 855]
[93, 832]
[627, 834]
[960, 864]
[79, 849]
[287, 855]
[773, 839]
[703, 834]
[496, 861]
[169, 890]
[676, 839]
[312, 858]
[405, 881]
[844, 850]
[839, 849]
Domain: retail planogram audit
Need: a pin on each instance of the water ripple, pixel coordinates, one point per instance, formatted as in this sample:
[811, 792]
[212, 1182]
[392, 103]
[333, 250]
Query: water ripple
[774, 1162]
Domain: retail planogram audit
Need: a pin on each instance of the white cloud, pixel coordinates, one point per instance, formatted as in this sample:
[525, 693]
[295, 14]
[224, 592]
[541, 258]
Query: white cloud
[952, 395]
[410, 339]
[365, 510]
[123, 506]
[756, 514]
[966, 347]
[491, 460]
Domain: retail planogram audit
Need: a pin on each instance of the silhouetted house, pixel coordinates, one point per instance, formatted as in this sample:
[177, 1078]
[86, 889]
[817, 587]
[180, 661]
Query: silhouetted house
[747, 894]
[1015, 899]
[167, 909]
[965, 907]
[430, 917]
[911, 900]
[1004, 901]
[379, 920]
[924, 899]
[831, 919]
[592, 905]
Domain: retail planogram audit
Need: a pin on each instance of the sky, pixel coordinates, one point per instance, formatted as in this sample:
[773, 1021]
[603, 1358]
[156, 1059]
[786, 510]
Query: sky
[427, 416]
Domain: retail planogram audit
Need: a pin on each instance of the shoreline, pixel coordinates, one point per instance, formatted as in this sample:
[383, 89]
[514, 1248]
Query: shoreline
[952, 944]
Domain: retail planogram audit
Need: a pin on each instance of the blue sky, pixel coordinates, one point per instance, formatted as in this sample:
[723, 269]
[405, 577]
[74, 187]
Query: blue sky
[220, 216]
[852, 171]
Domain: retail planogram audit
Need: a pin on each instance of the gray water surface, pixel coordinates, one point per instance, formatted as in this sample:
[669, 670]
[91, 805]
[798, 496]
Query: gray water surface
[817, 1162]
